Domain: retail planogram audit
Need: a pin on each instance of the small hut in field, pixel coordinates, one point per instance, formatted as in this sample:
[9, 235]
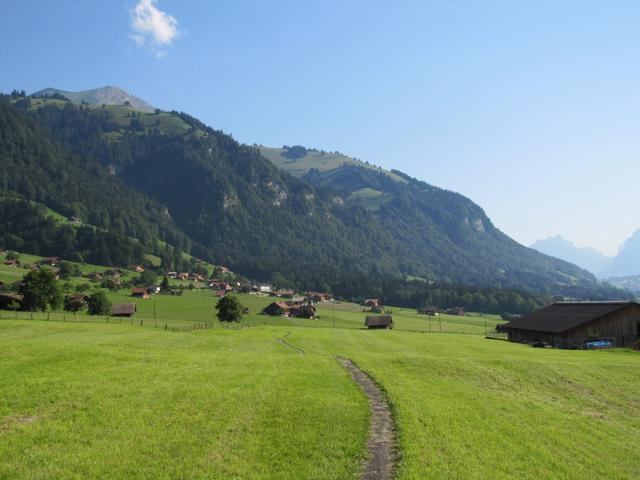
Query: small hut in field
[378, 321]
[123, 310]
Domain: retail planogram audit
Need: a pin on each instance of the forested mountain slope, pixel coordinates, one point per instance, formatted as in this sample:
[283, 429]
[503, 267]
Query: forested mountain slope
[348, 225]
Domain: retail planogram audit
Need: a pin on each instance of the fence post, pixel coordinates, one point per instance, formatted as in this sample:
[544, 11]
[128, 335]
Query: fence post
[141, 320]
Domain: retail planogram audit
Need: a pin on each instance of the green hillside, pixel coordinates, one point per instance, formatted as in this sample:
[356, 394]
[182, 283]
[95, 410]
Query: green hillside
[299, 160]
[352, 229]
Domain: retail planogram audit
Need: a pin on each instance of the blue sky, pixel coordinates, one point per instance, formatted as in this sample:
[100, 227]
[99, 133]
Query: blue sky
[529, 108]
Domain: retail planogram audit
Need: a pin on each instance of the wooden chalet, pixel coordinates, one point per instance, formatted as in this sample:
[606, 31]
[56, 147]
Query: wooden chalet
[277, 309]
[459, 311]
[10, 299]
[78, 300]
[51, 261]
[378, 321]
[373, 303]
[303, 311]
[12, 263]
[139, 293]
[123, 310]
[431, 311]
[573, 324]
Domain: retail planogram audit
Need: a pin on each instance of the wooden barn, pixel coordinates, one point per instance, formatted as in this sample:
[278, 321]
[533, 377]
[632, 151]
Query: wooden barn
[572, 324]
[378, 321]
[139, 293]
[277, 309]
[123, 310]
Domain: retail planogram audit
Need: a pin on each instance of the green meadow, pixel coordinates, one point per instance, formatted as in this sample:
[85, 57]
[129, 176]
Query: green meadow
[104, 400]
[172, 393]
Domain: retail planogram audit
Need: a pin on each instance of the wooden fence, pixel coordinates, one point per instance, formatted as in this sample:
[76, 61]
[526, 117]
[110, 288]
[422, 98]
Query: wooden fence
[179, 326]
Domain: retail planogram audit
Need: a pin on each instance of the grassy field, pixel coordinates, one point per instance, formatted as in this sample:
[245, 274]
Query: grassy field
[115, 401]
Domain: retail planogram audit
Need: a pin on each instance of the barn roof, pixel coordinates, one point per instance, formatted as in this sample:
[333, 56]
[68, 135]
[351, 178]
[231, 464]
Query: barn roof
[563, 316]
[123, 309]
[378, 320]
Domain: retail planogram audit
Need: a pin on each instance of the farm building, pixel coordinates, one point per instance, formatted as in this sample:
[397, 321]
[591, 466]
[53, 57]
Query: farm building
[12, 263]
[123, 310]
[51, 261]
[8, 300]
[378, 321]
[459, 311]
[276, 309]
[431, 311]
[304, 311]
[373, 303]
[572, 324]
[139, 293]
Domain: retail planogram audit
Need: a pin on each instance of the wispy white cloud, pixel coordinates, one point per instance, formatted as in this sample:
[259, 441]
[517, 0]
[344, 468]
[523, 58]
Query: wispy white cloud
[152, 27]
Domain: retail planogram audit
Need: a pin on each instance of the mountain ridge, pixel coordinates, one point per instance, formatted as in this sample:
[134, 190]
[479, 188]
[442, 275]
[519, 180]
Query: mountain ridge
[315, 230]
[588, 258]
[108, 95]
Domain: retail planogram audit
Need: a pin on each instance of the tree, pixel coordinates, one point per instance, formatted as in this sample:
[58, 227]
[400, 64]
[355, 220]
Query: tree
[147, 278]
[11, 255]
[229, 309]
[40, 290]
[99, 304]
[66, 270]
[72, 303]
[164, 286]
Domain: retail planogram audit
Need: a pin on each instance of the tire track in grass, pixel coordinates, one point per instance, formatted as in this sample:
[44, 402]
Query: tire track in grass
[381, 458]
[282, 341]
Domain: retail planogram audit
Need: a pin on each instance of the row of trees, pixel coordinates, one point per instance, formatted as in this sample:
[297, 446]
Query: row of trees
[41, 290]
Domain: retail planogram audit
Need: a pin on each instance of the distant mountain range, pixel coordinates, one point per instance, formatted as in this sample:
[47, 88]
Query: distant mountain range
[588, 258]
[296, 216]
[105, 95]
[625, 264]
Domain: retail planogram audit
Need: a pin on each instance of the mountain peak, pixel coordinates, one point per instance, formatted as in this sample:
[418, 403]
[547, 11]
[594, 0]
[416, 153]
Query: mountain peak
[108, 95]
[588, 258]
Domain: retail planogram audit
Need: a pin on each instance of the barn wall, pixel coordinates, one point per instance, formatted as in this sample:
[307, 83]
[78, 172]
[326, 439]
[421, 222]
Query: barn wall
[620, 327]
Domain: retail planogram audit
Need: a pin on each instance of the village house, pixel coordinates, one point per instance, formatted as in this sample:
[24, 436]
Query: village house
[50, 261]
[277, 309]
[303, 311]
[78, 300]
[431, 311]
[171, 275]
[137, 268]
[318, 297]
[373, 303]
[94, 276]
[286, 293]
[12, 263]
[264, 288]
[378, 321]
[458, 311]
[139, 293]
[573, 324]
[221, 293]
[8, 300]
[123, 310]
